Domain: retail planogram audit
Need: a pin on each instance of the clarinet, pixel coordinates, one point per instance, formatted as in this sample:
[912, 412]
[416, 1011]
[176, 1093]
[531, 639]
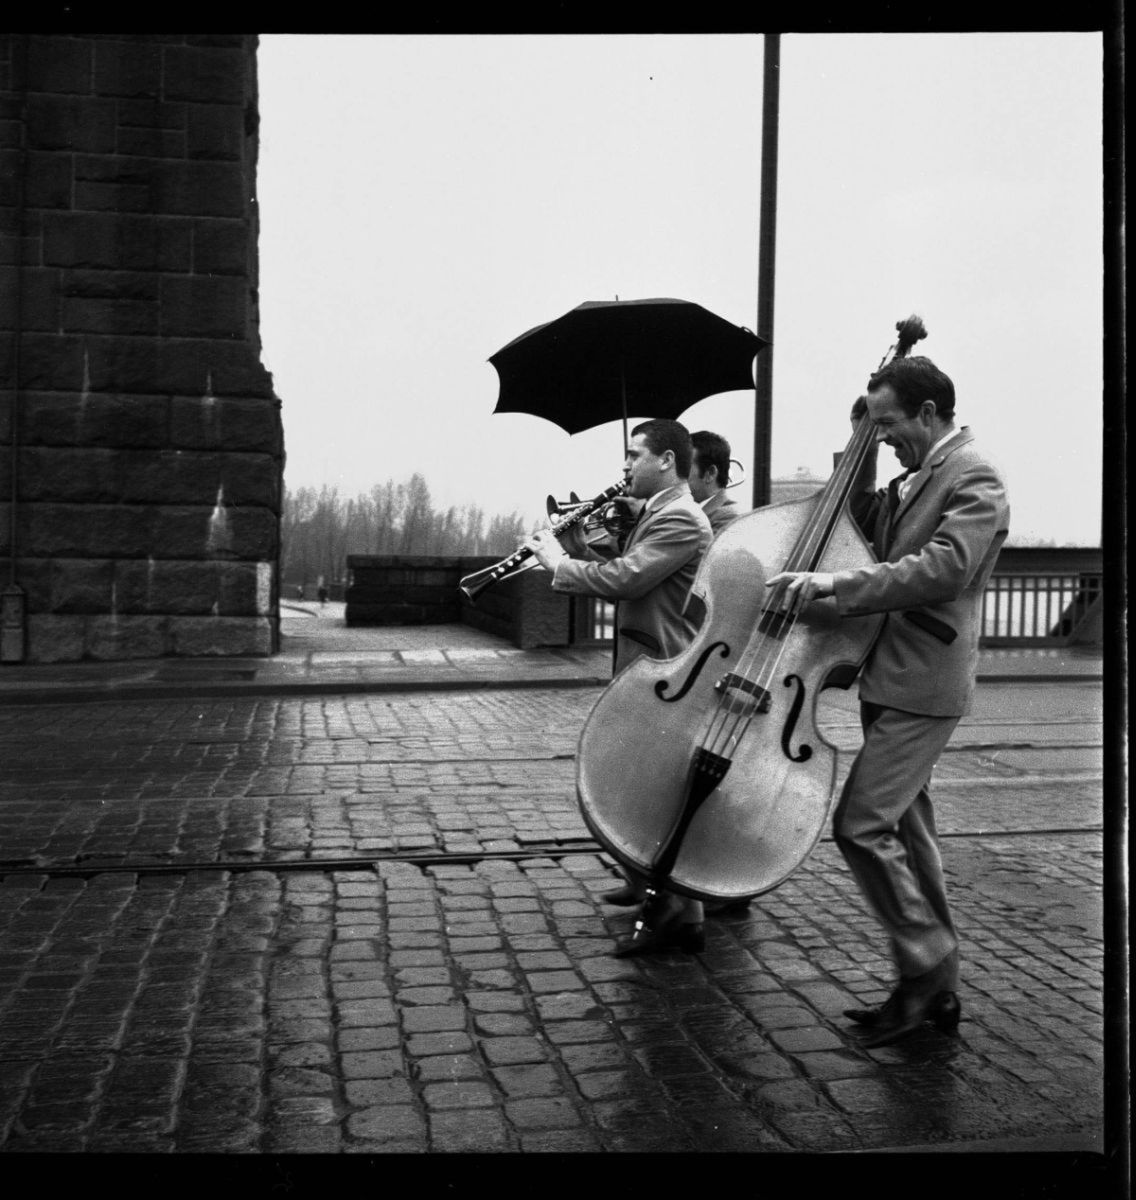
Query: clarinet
[473, 585]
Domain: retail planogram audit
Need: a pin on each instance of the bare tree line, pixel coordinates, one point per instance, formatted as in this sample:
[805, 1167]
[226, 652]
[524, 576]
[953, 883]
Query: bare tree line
[319, 528]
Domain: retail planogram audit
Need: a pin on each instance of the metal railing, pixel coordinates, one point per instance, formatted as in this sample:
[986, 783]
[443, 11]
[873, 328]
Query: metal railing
[1042, 597]
[1037, 596]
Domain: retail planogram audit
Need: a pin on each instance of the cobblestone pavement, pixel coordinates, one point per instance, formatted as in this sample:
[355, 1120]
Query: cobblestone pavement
[470, 1003]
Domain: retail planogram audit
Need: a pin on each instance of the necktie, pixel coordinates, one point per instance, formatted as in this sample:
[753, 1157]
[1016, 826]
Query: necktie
[895, 496]
[897, 490]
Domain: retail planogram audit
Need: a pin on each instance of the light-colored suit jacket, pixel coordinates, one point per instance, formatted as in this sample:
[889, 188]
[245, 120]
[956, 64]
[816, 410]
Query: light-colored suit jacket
[650, 579]
[936, 554]
[720, 510]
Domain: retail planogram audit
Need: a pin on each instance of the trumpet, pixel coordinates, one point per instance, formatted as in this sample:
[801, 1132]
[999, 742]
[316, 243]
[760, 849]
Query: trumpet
[473, 585]
[614, 519]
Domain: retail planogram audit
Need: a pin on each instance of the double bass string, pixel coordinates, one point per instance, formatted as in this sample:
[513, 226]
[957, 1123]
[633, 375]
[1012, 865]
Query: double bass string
[814, 540]
[806, 555]
[817, 534]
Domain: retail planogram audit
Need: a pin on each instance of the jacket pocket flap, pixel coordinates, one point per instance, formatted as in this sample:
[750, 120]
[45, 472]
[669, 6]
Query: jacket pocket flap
[644, 639]
[932, 625]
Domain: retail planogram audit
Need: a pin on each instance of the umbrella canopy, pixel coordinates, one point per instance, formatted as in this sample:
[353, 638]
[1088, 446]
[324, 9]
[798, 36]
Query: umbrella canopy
[608, 358]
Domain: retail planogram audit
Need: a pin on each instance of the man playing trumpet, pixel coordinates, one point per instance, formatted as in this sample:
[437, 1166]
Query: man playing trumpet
[649, 579]
[709, 478]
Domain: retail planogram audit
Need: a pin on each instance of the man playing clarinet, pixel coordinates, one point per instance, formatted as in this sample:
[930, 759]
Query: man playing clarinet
[649, 579]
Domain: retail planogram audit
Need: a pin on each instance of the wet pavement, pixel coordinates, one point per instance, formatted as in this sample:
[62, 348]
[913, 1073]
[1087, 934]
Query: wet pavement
[362, 918]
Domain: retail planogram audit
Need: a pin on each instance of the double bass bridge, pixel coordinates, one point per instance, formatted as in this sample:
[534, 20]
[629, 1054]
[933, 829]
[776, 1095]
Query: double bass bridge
[742, 696]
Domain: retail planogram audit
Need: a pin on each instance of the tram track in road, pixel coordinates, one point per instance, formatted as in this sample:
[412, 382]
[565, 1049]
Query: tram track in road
[563, 848]
[429, 858]
[333, 760]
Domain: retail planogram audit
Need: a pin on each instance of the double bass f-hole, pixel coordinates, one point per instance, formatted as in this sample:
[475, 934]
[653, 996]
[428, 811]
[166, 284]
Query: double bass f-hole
[791, 723]
[762, 697]
[695, 671]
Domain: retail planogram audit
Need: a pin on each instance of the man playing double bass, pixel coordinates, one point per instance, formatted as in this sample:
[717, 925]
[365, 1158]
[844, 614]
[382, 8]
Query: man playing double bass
[649, 579]
[936, 531]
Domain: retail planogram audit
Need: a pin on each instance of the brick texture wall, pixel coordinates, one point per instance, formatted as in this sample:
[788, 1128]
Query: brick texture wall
[141, 445]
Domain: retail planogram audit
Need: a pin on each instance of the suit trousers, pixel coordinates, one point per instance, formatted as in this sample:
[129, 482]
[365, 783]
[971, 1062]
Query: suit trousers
[885, 828]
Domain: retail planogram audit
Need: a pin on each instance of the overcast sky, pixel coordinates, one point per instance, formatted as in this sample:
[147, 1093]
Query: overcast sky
[424, 199]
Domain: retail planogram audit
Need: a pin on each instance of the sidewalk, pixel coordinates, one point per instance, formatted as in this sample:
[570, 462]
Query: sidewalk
[319, 653]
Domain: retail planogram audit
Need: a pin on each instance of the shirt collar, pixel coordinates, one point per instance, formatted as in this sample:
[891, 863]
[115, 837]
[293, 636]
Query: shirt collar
[716, 498]
[666, 496]
[903, 482]
[941, 442]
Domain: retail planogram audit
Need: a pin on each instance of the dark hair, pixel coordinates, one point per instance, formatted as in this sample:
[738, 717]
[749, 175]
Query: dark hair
[712, 450]
[915, 380]
[662, 435]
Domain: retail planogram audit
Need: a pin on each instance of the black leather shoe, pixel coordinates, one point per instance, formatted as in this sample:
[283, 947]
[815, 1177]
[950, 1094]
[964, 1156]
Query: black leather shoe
[622, 897]
[687, 936]
[944, 1012]
[864, 1016]
[909, 1014]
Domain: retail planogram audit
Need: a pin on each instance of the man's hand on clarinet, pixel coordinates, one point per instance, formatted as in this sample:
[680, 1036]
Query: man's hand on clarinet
[794, 589]
[547, 550]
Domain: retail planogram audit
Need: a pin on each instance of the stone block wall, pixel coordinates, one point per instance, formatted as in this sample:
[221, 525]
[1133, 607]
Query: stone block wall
[406, 589]
[141, 444]
[423, 590]
[524, 609]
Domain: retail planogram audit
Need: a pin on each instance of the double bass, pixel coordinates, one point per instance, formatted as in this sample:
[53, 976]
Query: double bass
[706, 773]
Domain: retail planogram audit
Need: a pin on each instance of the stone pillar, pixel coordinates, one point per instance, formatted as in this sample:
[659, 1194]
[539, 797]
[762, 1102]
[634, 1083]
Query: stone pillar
[141, 444]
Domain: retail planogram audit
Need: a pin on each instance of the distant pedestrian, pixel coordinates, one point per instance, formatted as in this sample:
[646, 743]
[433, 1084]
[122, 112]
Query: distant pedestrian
[322, 593]
[300, 592]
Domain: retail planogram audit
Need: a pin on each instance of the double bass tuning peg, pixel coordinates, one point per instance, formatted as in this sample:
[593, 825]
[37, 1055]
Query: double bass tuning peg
[910, 330]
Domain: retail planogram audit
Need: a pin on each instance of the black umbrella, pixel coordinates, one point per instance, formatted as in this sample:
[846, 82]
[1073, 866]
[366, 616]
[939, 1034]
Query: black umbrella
[607, 358]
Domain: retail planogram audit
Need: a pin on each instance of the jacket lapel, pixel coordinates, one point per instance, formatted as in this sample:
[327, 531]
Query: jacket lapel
[646, 515]
[632, 533]
[919, 479]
